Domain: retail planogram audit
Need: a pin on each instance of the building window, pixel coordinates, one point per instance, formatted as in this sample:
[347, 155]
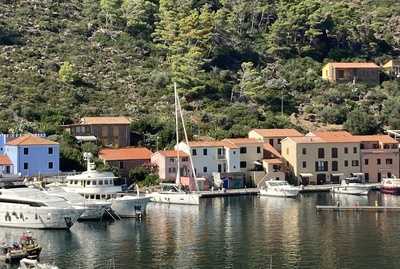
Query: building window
[354, 163]
[334, 152]
[366, 177]
[194, 152]
[346, 163]
[171, 160]
[304, 164]
[334, 165]
[340, 74]
[304, 151]
[205, 152]
[378, 161]
[271, 142]
[389, 175]
[279, 141]
[355, 150]
[321, 153]
[121, 165]
[26, 166]
[379, 177]
[389, 161]
[26, 151]
[366, 161]
[50, 165]
[50, 150]
[205, 169]
[243, 150]
[258, 149]
[321, 166]
[219, 150]
[234, 152]
[346, 150]
[243, 164]
[185, 159]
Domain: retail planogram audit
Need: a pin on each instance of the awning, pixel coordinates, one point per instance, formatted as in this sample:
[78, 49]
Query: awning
[337, 174]
[306, 174]
[357, 174]
[86, 138]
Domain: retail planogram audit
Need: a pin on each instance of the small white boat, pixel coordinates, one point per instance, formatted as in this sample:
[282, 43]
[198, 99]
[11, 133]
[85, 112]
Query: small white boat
[391, 186]
[352, 186]
[172, 194]
[34, 264]
[279, 188]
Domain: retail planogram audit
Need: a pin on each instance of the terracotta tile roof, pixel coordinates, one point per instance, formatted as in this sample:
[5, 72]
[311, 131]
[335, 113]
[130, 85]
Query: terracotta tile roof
[272, 161]
[121, 154]
[278, 132]
[334, 136]
[354, 65]
[306, 139]
[272, 150]
[242, 141]
[172, 153]
[105, 120]
[211, 144]
[30, 140]
[385, 139]
[4, 160]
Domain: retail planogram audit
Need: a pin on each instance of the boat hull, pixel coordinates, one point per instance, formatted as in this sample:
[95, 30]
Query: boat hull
[350, 191]
[23, 216]
[390, 190]
[129, 206]
[175, 198]
[284, 194]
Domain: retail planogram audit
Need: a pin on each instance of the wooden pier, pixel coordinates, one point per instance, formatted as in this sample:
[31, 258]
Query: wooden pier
[358, 208]
[230, 192]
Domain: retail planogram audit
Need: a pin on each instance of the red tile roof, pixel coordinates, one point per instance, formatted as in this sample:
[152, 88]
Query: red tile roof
[30, 140]
[210, 144]
[272, 161]
[242, 141]
[272, 150]
[4, 160]
[278, 132]
[172, 153]
[121, 154]
[334, 136]
[104, 120]
[385, 139]
[354, 65]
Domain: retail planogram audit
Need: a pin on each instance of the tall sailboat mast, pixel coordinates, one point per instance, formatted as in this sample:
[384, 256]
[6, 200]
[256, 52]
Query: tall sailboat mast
[186, 138]
[178, 172]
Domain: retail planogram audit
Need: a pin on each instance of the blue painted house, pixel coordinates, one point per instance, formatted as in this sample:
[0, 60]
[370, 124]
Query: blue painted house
[33, 155]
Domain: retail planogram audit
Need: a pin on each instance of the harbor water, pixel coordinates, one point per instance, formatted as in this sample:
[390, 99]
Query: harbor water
[233, 232]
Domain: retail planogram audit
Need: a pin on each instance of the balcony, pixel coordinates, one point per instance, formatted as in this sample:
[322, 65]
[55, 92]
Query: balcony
[380, 150]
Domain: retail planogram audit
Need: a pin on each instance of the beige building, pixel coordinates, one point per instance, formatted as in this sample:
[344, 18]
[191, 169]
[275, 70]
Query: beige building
[328, 157]
[392, 68]
[351, 73]
[273, 136]
[322, 157]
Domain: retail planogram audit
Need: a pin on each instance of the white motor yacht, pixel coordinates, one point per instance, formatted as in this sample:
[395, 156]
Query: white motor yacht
[279, 188]
[94, 185]
[94, 209]
[172, 194]
[32, 208]
[352, 186]
[34, 264]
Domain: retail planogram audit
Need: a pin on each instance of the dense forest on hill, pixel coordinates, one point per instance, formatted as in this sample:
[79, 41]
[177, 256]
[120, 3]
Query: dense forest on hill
[235, 61]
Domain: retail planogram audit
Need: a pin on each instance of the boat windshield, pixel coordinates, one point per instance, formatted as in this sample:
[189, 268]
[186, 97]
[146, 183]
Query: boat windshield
[278, 183]
[353, 180]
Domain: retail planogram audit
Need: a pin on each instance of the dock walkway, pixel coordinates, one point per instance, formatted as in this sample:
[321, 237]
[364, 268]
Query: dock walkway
[230, 192]
[358, 208]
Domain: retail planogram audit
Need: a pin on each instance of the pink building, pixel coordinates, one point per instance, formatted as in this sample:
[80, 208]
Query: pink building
[379, 157]
[166, 162]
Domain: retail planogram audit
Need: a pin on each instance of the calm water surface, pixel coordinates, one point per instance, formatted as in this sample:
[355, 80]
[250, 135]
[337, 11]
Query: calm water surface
[236, 232]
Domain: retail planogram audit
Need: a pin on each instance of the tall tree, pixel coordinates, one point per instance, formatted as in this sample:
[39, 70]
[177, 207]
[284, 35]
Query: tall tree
[139, 15]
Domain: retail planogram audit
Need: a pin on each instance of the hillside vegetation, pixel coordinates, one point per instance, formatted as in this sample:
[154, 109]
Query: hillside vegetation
[234, 62]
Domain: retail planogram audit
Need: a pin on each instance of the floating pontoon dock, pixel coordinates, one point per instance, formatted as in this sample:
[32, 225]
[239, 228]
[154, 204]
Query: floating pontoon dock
[358, 208]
